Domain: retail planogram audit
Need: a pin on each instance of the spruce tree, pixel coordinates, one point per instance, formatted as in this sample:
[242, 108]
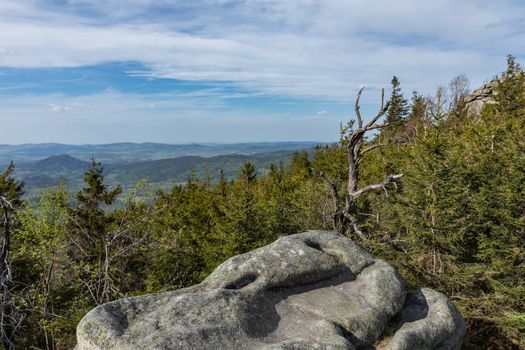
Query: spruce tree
[510, 90]
[89, 229]
[90, 220]
[397, 110]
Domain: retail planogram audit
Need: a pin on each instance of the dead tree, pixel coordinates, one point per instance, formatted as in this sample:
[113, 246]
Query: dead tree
[345, 211]
[7, 324]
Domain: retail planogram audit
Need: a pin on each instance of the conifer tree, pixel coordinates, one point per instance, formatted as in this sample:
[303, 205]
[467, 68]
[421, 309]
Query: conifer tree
[510, 90]
[417, 121]
[279, 203]
[300, 166]
[89, 219]
[90, 233]
[242, 228]
[397, 110]
[181, 243]
[248, 172]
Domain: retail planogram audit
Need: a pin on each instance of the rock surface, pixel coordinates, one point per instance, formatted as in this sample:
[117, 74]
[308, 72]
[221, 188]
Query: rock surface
[427, 321]
[480, 97]
[313, 290]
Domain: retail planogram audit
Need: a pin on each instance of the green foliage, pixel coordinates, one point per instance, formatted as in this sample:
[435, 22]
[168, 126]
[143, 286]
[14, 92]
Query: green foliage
[10, 188]
[42, 266]
[181, 230]
[242, 228]
[458, 223]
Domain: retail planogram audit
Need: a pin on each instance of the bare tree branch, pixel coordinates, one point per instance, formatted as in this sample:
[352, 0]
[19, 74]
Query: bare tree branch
[382, 110]
[373, 147]
[390, 179]
[345, 214]
[378, 126]
[358, 108]
[5, 204]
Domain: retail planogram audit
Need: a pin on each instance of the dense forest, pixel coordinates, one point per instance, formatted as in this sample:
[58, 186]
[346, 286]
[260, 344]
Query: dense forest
[455, 221]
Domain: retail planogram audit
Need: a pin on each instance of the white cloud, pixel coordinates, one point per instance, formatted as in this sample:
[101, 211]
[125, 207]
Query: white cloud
[58, 108]
[293, 47]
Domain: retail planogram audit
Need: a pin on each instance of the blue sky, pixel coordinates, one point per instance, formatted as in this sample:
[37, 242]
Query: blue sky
[92, 71]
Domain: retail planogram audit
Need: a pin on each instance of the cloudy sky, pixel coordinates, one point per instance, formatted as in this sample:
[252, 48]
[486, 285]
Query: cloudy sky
[178, 71]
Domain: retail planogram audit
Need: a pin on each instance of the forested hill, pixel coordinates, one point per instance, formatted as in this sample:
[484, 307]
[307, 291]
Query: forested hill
[66, 169]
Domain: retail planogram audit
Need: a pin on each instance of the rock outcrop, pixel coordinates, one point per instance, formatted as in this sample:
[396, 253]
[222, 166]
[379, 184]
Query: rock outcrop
[480, 97]
[313, 290]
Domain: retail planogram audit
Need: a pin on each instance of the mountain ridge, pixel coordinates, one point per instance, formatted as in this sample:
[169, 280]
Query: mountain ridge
[69, 168]
[132, 152]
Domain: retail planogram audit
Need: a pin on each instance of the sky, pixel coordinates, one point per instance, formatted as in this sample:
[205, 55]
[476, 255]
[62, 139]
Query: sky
[181, 71]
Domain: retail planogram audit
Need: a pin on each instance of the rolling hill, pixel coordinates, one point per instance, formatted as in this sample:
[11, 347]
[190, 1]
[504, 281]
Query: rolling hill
[126, 164]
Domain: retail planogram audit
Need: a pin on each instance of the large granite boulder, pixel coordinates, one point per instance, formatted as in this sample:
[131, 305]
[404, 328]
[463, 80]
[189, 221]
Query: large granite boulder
[313, 290]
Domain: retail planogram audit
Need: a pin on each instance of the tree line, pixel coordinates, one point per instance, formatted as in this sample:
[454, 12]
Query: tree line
[437, 192]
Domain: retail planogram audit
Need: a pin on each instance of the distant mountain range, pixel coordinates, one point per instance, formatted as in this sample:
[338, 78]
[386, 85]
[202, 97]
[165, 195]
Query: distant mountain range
[133, 152]
[126, 163]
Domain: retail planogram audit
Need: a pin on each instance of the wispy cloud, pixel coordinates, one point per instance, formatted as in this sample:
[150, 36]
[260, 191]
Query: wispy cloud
[255, 69]
[59, 108]
[112, 116]
[303, 48]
